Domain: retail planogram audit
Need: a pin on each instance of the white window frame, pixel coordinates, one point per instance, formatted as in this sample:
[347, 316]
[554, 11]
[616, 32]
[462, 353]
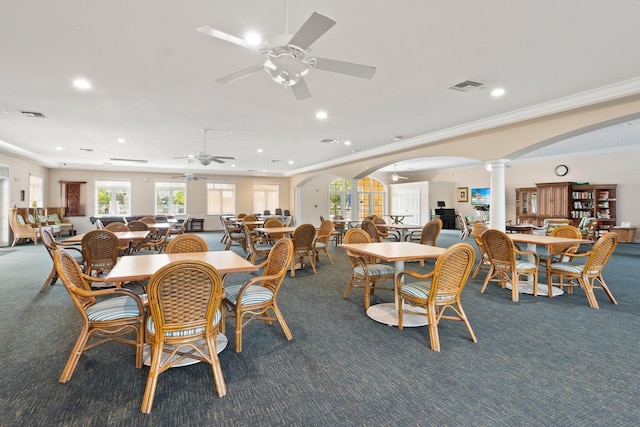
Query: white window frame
[172, 187]
[221, 198]
[36, 191]
[265, 195]
[113, 186]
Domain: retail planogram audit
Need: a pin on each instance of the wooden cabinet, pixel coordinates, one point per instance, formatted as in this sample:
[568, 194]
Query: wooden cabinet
[594, 201]
[527, 205]
[566, 200]
[554, 200]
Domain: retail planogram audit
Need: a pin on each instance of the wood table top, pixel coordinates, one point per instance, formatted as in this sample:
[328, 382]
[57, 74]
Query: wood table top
[538, 239]
[395, 251]
[122, 236]
[140, 267]
[275, 230]
[401, 226]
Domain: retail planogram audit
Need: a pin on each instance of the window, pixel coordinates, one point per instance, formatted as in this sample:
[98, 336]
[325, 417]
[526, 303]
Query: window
[371, 196]
[36, 191]
[113, 197]
[171, 198]
[265, 196]
[221, 198]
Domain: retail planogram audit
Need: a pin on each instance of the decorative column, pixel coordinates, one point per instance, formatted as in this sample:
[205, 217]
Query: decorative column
[497, 208]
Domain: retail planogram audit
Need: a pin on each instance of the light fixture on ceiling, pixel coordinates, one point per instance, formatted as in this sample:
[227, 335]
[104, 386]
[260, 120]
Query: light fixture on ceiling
[498, 92]
[82, 84]
[321, 115]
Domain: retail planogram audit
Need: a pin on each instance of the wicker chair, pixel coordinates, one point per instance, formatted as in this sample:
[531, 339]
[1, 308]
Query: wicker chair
[57, 219]
[51, 245]
[234, 234]
[137, 225]
[303, 247]
[112, 319]
[557, 252]
[99, 224]
[273, 223]
[371, 229]
[100, 251]
[255, 298]
[429, 234]
[157, 244]
[504, 267]
[461, 224]
[184, 321]
[383, 232]
[585, 274]
[20, 229]
[148, 220]
[117, 227]
[476, 233]
[438, 291]
[321, 242]
[185, 243]
[255, 247]
[365, 272]
[339, 228]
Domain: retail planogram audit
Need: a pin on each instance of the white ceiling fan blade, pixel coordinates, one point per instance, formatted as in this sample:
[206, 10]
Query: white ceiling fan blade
[311, 30]
[301, 90]
[240, 74]
[342, 67]
[224, 157]
[216, 159]
[224, 36]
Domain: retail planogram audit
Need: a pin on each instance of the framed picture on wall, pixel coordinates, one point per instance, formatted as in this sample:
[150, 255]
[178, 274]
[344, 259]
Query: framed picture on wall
[463, 194]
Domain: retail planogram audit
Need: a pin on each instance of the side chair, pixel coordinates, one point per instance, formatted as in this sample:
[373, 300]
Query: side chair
[51, 245]
[257, 297]
[586, 274]
[321, 242]
[184, 321]
[186, 243]
[476, 233]
[365, 272]
[303, 247]
[438, 291]
[504, 266]
[103, 320]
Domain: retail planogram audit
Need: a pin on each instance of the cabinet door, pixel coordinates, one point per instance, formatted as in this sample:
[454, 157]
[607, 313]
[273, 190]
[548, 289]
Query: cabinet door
[553, 201]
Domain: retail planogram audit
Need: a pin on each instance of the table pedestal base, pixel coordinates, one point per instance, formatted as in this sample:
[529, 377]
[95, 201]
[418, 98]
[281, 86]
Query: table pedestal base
[543, 290]
[386, 313]
[221, 344]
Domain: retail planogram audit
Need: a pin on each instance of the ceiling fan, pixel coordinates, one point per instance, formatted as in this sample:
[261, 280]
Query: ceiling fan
[204, 157]
[288, 58]
[395, 176]
[189, 176]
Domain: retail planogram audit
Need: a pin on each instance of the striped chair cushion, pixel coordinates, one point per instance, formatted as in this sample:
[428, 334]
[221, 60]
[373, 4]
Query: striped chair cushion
[113, 308]
[421, 290]
[525, 265]
[375, 270]
[263, 247]
[151, 328]
[569, 267]
[320, 245]
[252, 295]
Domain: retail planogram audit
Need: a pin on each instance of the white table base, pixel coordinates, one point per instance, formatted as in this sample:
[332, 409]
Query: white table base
[543, 290]
[386, 313]
[221, 344]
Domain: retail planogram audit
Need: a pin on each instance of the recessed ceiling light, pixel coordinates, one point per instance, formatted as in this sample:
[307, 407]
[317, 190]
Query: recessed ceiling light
[82, 84]
[233, 166]
[121, 141]
[253, 38]
[59, 148]
[347, 142]
[498, 92]
[260, 150]
[321, 115]
[290, 162]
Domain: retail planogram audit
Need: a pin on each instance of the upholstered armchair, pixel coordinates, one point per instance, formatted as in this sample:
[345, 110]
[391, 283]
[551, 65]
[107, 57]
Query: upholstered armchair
[20, 229]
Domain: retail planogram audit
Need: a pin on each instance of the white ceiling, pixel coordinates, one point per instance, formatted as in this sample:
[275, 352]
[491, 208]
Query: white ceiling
[154, 76]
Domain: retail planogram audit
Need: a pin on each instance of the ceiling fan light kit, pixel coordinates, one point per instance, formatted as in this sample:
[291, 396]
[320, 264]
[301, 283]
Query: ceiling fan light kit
[288, 62]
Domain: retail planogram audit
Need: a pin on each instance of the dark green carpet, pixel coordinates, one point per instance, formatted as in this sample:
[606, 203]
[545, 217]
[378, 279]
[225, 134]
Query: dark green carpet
[537, 362]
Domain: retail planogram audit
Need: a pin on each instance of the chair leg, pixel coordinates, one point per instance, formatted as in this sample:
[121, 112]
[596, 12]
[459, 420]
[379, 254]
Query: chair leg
[76, 352]
[346, 291]
[216, 369]
[464, 318]
[489, 276]
[152, 379]
[588, 290]
[433, 327]
[605, 288]
[238, 332]
[52, 279]
[283, 323]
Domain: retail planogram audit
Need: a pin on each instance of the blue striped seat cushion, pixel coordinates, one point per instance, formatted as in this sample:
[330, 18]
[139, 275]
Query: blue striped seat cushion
[113, 308]
[421, 290]
[263, 247]
[320, 245]
[375, 270]
[186, 332]
[252, 295]
[525, 265]
[569, 267]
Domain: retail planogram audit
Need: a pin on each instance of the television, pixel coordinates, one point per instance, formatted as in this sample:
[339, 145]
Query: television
[480, 196]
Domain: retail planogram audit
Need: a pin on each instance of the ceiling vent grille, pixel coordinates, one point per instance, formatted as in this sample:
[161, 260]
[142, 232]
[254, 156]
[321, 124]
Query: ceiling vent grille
[329, 141]
[128, 160]
[33, 114]
[466, 85]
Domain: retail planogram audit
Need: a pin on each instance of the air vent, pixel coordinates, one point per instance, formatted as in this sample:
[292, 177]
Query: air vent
[466, 85]
[33, 114]
[274, 161]
[128, 160]
[86, 149]
[329, 141]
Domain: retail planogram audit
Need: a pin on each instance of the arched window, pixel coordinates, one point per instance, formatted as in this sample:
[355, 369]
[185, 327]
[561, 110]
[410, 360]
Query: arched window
[369, 192]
